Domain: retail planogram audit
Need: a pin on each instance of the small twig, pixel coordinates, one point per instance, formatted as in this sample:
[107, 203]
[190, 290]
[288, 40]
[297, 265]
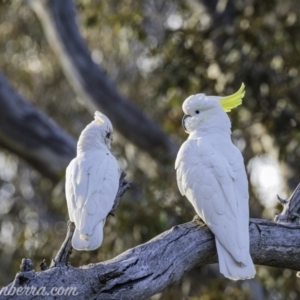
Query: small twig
[281, 200]
[62, 257]
[291, 208]
[26, 265]
[43, 265]
[26, 273]
[123, 187]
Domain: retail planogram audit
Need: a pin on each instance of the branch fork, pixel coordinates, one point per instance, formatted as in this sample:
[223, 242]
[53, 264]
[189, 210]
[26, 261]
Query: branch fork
[291, 209]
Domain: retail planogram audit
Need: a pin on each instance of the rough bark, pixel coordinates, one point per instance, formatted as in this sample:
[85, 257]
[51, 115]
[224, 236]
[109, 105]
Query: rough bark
[31, 135]
[90, 82]
[149, 268]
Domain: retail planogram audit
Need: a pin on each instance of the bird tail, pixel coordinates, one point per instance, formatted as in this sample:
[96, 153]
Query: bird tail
[81, 241]
[232, 269]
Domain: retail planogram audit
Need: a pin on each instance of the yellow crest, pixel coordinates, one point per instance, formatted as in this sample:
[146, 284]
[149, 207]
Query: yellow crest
[234, 100]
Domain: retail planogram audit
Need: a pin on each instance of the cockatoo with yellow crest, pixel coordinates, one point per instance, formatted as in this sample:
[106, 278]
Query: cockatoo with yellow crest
[211, 174]
[92, 181]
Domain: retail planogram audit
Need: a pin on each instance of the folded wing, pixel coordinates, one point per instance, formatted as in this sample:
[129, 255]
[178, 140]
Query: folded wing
[91, 186]
[209, 181]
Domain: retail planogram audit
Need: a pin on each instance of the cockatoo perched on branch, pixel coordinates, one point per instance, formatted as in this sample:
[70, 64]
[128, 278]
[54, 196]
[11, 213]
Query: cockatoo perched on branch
[92, 181]
[211, 174]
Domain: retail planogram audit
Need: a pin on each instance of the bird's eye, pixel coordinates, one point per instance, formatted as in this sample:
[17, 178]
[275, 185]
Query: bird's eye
[108, 135]
[197, 111]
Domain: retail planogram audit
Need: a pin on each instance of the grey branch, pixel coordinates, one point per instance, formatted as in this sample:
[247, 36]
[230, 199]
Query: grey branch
[123, 187]
[291, 208]
[58, 19]
[62, 257]
[149, 268]
[31, 135]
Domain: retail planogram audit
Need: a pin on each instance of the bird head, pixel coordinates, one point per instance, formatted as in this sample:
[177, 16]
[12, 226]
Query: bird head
[105, 127]
[96, 135]
[202, 111]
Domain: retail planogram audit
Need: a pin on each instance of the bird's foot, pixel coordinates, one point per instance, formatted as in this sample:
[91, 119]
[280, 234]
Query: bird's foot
[198, 220]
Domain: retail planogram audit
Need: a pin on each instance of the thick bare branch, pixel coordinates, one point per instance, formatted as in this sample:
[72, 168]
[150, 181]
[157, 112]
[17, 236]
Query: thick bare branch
[59, 23]
[149, 268]
[31, 135]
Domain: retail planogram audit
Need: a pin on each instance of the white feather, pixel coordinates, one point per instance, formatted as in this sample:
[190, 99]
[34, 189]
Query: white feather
[92, 180]
[211, 174]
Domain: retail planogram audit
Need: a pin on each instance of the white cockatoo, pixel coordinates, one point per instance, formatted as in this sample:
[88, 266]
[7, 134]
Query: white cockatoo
[92, 181]
[211, 174]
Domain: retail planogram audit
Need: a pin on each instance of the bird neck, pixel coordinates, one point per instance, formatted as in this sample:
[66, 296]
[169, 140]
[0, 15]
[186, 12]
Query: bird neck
[210, 132]
[91, 140]
[218, 125]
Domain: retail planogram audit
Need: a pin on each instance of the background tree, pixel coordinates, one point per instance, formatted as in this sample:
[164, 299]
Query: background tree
[151, 55]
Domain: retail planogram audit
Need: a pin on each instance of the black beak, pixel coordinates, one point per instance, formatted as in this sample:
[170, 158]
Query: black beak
[184, 117]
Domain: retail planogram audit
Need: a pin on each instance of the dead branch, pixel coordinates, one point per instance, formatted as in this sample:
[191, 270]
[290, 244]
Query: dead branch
[149, 268]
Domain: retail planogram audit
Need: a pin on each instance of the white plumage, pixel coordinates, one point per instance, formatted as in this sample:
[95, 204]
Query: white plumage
[92, 181]
[211, 174]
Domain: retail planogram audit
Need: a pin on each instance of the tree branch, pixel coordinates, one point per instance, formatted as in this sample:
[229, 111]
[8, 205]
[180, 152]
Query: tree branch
[59, 23]
[31, 135]
[123, 187]
[291, 209]
[62, 257]
[149, 268]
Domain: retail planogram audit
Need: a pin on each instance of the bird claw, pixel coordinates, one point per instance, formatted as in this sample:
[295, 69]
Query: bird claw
[198, 220]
